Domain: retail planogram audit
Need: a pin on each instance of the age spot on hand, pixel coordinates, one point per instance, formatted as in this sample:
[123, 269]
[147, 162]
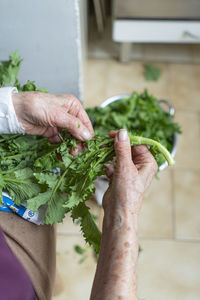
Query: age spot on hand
[127, 244]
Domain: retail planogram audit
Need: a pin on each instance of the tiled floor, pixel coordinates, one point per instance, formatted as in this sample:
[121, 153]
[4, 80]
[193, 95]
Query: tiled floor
[169, 265]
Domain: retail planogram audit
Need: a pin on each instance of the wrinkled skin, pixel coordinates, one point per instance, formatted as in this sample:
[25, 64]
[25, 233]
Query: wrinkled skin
[45, 114]
[134, 172]
[115, 276]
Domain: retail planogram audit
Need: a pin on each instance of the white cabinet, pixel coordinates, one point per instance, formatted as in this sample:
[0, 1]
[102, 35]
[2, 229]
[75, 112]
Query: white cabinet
[155, 21]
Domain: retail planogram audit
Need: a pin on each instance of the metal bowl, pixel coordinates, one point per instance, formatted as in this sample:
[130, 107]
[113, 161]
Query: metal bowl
[171, 111]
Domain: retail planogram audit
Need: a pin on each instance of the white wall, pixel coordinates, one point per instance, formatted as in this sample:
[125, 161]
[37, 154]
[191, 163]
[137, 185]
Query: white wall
[46, 33]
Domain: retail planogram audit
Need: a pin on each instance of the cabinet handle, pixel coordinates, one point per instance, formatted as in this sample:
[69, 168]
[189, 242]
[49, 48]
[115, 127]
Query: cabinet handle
[187, 34]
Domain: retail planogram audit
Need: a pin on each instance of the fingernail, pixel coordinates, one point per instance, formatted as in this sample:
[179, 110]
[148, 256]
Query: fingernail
[123, 135]
[86, 135]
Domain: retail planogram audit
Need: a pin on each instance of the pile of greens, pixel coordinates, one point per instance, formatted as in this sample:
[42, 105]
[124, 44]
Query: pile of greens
[26, 164]
[29, 164]
[140, 114]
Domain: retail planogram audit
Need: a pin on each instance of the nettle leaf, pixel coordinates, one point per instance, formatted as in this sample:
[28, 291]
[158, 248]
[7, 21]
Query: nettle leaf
[39, 200]
[79, 249]
[55, 210]
[49, 179]
[151, 73]
[9, 69]
[20, 185]
[89, 228]
[21, 190]
[46, 162]
[67, 160]
[73, 200]
[29, 86]
[23, 173]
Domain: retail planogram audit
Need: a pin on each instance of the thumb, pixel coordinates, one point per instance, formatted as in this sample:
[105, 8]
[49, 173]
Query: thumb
[123, 151]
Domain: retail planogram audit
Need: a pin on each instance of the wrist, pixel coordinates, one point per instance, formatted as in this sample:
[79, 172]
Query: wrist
[19, 107]
[124, 220]
[17, 103]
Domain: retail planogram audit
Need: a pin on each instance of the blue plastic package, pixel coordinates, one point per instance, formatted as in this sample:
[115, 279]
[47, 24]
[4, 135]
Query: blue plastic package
[34, 217]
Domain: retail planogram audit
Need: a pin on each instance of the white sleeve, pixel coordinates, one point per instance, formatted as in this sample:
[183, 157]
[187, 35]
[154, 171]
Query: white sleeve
[8, 118]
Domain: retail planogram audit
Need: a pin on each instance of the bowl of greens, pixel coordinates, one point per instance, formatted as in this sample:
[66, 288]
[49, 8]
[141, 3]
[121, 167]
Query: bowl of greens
[142, 115]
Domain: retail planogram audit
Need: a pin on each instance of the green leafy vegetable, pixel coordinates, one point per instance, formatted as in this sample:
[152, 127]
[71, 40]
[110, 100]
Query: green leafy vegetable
[31, 172]
[139, 113]
[83, 252]
[9, 69]
[27, 175]
[151, 73]
[79, 249]
[9, 74]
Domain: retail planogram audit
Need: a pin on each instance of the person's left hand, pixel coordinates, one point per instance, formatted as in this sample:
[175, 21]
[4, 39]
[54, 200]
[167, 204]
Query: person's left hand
[45, 114]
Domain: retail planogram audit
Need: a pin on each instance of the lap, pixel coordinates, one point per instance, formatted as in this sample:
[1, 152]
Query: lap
[35, 247]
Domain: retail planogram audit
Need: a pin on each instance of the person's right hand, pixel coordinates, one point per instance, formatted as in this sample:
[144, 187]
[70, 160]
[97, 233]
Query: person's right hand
[134, 171]
[116, 269]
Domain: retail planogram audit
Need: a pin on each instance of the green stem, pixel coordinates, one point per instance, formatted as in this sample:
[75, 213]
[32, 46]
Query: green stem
[97, 162]
[60, 136]
[18, 155]
[12, 136]
[14, 180]
[58, 184]
[139, 140]
[65, 172]
[9, 171]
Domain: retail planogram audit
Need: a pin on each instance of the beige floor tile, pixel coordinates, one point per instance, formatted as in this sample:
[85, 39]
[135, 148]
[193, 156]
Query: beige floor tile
[68, 227]
[184, 86]
[169, 270]
[94, 207]
[101, 216]
[156, 218]
[126, 78]
[187, 204]
[106, 77]
[74, 279]
[189, 141]
[95, 75]
[123, 78]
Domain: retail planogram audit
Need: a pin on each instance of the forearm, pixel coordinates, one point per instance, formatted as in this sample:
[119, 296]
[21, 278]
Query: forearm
[115, 275]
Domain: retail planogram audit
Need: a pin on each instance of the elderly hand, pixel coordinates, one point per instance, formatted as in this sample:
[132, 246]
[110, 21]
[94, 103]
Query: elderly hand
[132, 175]
[115, 276]
[45, 114]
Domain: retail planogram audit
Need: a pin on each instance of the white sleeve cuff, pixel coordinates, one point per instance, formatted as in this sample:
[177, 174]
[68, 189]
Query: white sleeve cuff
[8, 118]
